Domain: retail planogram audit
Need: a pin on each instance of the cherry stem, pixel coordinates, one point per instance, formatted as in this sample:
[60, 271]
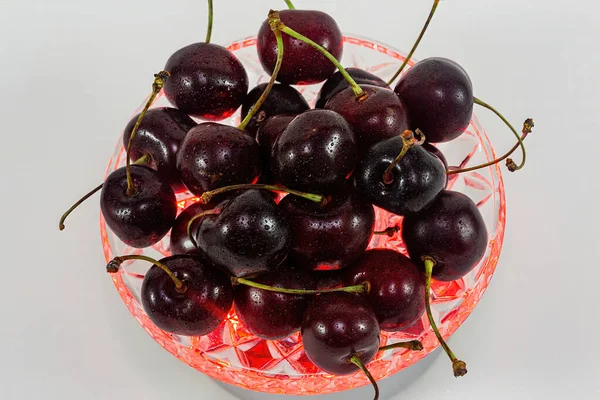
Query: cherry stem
[159, 81]
[459, 367]
[273, 22]
[61, 223]
[196, 217]
[355, 359]
[365, 287]
[113, 267]
[414, 48]
[391, 231]
[210, 21]
[317, 198]
[290, 5]
[512, 166]
[358, 92]
[413, 345]
[408, 141]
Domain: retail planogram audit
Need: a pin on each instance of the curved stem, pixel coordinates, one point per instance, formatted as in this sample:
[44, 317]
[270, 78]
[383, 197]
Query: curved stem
[358, 92]
[355, 359]
[365, 287]
[273, 21]
[391, 231]
[408, 141]
[413, 345]
[210, 21]
[317, 198]
[527, 128]
[113, 267]
[459, 367]
[159, 81]
[196, 217]
[61, 223]
[290, 5]
[412, 51]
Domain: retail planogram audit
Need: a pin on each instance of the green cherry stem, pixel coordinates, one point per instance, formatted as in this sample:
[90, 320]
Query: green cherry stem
[414, 48]
[159, 81]
[197, 217]
[355, 359]
[413, 345]
[459, 367]
[358, 92]
[210, 21]
[408, 141]
[512, 166]
[273, 22]
[365, 287]
[317, 198]
[114, 264]
[290, 5]
[61, 224]
[391, 231]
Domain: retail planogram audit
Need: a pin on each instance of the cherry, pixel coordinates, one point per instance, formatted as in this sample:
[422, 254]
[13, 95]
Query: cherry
[340, 333]
[188, 221]
[399, 176]
[159, 135]
[272, 315]
[436, 152]
[378, 116]
[397, 295]
[268, 132]
[141, 219]
[214, 155]
[329, 236]
[336, 83]
[316, 152]
[181, 295]
[249, 237]
[282, 99]
[302, 64]
[451, 231]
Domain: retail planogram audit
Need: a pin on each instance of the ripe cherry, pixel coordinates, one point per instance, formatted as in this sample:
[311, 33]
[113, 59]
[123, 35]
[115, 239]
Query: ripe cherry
[336, 83]
[436, 152]
[180, 241]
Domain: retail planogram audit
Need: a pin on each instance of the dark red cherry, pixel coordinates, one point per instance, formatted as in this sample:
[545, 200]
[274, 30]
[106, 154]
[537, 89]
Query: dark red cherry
[160, 134]
[337, 326]
[436, 152]
[336, 83]
[249, 237]
[282, 99]
[451, 231]
[267, 133]
[438, 95]
[302, 64]
[330, 236]
[315, 153]
[416, 180]
[207, 81]
[271, 315]
[143, 218]
[379, 116]
[198, 309]
[213, 155]
[397, 295]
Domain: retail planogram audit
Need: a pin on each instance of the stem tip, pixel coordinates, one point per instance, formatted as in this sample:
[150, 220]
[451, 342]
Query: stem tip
[459, 367]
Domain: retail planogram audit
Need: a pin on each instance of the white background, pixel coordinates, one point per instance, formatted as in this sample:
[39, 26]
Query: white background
[72, 72]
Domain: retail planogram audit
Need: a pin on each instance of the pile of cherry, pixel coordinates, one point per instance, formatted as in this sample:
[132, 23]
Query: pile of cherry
[364, 145]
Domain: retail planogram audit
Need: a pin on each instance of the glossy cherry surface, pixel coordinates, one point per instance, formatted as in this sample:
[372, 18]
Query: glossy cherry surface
[302, 64]
[436, 152]
[143, 218]
[336, 83]
[249, 237]
[417, 179]
[207, 81]
[337, 326]
[330, 236]
[213, 155]
[197, 310]
[451, 231]
[438, 95]
[315, 153]
[271, 315]
[397, 295]
[180, 242]
[160, 134]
